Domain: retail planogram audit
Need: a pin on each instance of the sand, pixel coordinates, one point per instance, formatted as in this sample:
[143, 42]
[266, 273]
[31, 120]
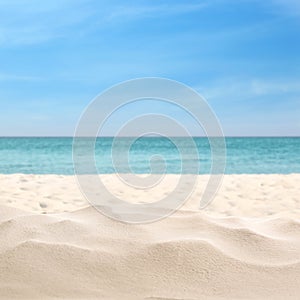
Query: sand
[244, 245]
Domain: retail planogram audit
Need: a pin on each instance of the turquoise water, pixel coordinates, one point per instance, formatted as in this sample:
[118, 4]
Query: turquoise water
[244, 155]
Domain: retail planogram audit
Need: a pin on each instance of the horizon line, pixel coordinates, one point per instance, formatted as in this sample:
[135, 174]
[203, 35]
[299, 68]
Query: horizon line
[130, 136]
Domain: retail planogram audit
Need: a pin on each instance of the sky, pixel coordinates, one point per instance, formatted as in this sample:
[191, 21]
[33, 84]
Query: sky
[242, 56]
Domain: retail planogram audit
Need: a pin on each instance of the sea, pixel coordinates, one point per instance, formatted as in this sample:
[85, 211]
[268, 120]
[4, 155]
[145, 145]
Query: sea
[244, 155]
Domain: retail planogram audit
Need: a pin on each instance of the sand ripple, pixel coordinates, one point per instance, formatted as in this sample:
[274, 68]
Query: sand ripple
[84, 255]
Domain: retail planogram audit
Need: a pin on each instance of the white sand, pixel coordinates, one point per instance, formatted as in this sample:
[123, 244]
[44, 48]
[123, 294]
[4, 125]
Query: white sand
[189, 255]
[239, 195]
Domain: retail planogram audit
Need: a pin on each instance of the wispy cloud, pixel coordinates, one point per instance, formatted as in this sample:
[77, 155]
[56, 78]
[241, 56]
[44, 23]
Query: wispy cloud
[287, 7]
[242, 89]
[154, 10]
[15, 77]
[31, 22]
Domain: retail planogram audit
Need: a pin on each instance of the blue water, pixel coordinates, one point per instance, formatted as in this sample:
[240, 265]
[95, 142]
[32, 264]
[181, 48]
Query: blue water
[244, 155]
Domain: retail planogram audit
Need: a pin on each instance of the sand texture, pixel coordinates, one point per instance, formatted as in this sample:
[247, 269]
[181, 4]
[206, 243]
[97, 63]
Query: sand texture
[239, 195]
[191, 254]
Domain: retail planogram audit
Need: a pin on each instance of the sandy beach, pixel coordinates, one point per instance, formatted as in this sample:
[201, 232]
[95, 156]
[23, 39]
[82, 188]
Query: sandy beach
[149, 150]
[244, 245]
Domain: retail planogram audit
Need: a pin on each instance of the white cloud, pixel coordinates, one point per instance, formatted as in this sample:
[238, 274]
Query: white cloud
[291, 7]
[281, 7]
[31, 22]
[248, 88]
[14, 77]
[153, 10]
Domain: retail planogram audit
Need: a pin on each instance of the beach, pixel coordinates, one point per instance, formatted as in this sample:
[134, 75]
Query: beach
[244, 245]
[150, 150]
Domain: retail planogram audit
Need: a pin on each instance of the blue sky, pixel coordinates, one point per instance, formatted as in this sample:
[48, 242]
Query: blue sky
[243, 56]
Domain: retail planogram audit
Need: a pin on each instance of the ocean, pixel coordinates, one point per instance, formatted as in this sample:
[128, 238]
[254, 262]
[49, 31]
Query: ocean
[244, 155]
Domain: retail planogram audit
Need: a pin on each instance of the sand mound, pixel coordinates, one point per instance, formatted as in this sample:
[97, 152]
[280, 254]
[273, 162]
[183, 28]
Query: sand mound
[84, 255]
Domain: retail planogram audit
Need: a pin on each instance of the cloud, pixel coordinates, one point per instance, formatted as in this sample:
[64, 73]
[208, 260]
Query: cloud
[249, 88]
[287, 7]
[13, 77]
[32, 22]
[263, 87]
[154, 10]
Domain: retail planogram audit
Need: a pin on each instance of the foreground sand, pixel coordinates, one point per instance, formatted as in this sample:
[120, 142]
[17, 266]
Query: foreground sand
[189, 255]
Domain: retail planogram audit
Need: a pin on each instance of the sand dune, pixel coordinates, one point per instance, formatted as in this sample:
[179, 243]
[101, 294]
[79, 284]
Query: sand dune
[186, 256]
[189, 255]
